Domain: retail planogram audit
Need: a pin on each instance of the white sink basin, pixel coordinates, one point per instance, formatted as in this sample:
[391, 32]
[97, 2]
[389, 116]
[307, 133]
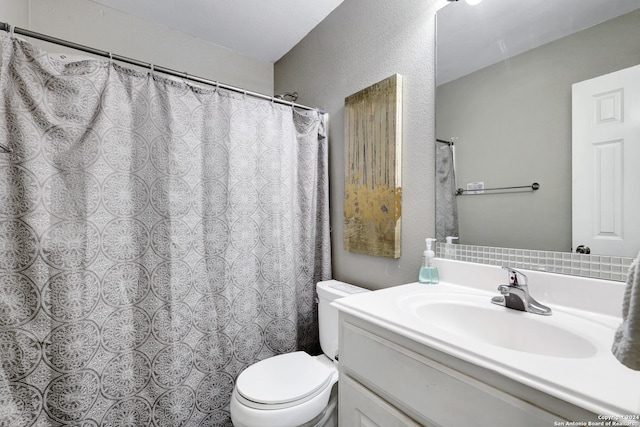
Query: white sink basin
[474, 318]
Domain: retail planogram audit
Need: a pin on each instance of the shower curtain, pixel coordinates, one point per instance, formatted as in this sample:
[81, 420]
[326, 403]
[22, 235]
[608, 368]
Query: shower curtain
[156, 238]
[446, 205]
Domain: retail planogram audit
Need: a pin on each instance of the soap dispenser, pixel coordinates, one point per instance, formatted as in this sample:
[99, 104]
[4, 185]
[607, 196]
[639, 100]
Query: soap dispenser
[428, 273]
[449, 248]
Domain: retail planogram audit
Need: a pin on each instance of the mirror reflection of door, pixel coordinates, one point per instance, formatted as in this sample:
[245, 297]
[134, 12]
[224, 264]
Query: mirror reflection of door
[606, 163]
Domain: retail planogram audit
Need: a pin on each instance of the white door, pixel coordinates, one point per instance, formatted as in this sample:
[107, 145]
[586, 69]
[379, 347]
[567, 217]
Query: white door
[606, 163]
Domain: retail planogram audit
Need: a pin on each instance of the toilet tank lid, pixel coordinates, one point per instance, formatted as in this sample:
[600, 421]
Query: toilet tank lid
[334, 289]
[283, 378]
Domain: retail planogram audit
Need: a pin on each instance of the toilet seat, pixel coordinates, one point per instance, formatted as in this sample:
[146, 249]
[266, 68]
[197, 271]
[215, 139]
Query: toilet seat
[283, 381]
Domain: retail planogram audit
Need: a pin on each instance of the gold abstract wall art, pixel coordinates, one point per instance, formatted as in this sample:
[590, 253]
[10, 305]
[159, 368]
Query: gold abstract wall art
[373, 147]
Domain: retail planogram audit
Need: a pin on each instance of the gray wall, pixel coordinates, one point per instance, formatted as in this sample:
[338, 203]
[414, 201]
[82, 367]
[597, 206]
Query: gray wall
[91, 24]
[513, 123]
[361, 43]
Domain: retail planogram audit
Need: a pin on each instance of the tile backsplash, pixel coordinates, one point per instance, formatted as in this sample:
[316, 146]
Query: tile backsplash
[595, 266]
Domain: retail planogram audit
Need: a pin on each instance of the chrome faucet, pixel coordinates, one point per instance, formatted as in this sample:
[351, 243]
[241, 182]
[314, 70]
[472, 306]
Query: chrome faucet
[516, 295]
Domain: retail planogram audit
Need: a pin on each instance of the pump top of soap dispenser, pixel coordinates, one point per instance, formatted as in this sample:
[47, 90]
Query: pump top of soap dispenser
[428, 253]
[450, 248]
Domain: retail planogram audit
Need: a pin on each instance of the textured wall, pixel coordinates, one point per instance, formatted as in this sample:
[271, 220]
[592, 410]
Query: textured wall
[361, 43]
[91, 24]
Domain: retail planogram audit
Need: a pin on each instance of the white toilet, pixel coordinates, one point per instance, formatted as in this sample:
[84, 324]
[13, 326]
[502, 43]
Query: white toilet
[295, 389]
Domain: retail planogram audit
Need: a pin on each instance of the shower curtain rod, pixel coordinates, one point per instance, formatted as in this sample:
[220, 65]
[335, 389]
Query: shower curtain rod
[449, 143]
[22, 31]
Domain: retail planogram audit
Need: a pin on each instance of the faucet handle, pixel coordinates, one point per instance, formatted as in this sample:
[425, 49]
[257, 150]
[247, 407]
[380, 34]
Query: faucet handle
[516, 278]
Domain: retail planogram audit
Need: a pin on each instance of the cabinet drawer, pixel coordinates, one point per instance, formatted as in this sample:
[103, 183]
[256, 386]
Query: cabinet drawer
[428, 391]
[361, 408]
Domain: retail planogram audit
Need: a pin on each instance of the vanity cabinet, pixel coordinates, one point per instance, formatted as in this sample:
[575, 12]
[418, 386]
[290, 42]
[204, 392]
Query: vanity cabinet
[389, 380]
[363, 408]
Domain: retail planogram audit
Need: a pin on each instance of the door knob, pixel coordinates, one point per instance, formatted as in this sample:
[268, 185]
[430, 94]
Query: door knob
[582, 249]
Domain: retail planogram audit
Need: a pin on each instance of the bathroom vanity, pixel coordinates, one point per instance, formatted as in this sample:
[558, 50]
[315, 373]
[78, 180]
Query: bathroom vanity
[443, 355]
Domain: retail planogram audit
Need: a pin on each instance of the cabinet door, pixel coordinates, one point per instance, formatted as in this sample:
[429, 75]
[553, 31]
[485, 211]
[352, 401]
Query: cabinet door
[361, 408]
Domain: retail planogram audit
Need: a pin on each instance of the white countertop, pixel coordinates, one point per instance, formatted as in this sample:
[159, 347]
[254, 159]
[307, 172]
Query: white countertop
[598, 383]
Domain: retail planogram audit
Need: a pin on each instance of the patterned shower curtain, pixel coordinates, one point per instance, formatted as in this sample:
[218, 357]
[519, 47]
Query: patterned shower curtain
[446, 204]
[156, 238]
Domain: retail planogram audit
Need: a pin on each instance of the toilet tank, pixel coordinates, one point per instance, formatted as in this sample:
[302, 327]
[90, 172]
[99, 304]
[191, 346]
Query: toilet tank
[329, 291]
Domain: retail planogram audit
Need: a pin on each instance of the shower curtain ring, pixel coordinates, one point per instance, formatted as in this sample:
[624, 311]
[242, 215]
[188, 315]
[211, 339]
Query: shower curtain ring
[11, 32]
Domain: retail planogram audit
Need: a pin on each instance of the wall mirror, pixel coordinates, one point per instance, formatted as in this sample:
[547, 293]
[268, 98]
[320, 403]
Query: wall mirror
[505, 73]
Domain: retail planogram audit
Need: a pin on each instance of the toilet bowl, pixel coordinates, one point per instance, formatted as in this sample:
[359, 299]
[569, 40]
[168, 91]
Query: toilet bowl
[295, 389]
[286, 390]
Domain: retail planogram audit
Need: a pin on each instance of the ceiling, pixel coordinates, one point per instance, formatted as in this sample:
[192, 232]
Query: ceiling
[473, 37]
[262, 29]
[268, 29]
